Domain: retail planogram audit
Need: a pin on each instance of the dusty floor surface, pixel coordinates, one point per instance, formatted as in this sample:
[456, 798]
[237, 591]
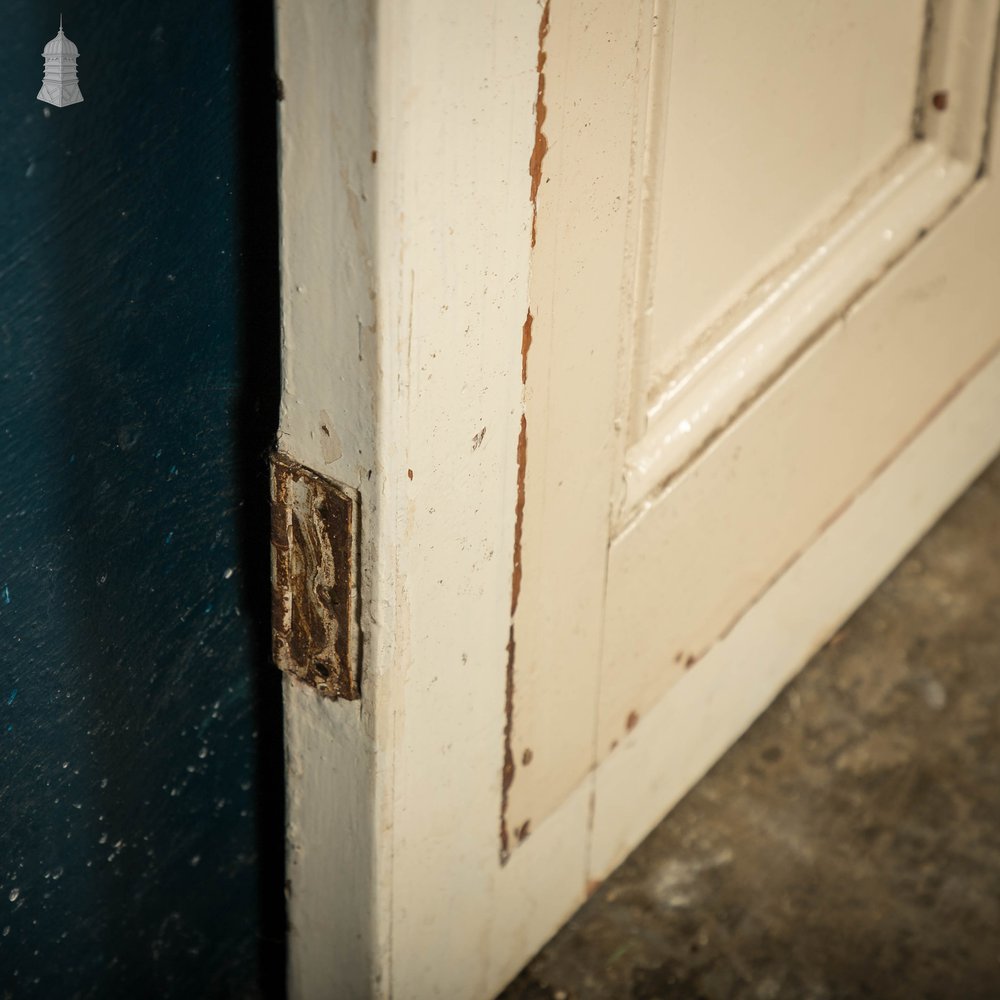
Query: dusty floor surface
[849, 844]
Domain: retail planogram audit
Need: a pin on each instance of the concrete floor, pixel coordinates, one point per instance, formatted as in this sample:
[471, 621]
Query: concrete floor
[849, 844]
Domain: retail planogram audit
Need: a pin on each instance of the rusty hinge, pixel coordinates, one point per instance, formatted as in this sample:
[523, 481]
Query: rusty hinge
[314, 527]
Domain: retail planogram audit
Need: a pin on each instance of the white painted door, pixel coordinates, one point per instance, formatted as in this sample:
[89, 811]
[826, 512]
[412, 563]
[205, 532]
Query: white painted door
[627, 345]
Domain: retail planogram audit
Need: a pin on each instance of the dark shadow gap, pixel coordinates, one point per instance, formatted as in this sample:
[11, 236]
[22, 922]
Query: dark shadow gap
[256, 422]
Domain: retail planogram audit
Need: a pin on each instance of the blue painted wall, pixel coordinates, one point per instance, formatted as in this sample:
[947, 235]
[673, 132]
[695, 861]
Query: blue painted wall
[140, 819]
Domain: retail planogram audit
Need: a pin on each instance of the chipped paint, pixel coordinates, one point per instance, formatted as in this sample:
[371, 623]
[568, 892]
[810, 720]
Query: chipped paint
[541, 145]
[508, 756]
[508, 751]
[314, 591]
[522, 464]
[538, 151]
[330, 444]
[526, 345]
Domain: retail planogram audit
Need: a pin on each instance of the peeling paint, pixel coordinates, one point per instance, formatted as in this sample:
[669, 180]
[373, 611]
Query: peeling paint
[508, 754]
[329, 443]
[526, 346]
[541, 142]
[538, 151]
[522, 463]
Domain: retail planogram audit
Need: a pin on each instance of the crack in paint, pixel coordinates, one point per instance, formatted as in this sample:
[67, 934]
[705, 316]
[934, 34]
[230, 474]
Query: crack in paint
[508, 749]
[508, 753]
[538, 151]
[522, 463]
[525, 346]
[541, 145]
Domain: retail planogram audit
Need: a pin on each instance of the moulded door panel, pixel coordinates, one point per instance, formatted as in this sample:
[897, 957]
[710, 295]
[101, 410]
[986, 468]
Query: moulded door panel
[647, 336]
[787, 406]
[764, 141]
[709, 178]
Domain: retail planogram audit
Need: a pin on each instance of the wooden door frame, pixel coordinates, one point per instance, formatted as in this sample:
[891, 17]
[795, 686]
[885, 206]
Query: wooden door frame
[425, 262]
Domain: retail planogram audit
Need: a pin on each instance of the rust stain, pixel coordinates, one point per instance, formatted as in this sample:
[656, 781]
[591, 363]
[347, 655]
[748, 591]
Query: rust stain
[409, 474]
[940, 100]
[508, 753]
[538, 151]
[526, 346]
[541, 145]
[374, 156]
[632, 721]
[522, 464]
[314, 594]
[690, 661]
[527, 757]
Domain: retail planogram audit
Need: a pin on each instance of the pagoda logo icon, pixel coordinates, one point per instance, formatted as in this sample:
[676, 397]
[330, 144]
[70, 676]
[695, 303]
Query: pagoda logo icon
[59, 84]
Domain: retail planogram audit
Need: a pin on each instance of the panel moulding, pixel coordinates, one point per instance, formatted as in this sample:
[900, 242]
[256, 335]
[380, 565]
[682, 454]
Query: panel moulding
[753, 342]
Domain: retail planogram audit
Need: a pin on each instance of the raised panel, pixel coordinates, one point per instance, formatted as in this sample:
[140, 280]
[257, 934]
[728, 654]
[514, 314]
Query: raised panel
[512, 275]
[745, 258]
[789, 405]
[698, 558]
[764, 141]
[608, 71]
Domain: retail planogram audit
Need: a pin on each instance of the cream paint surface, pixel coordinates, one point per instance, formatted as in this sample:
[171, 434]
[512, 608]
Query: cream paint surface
[794, 459]
[744, 348]
[806, 446]
[457, 86]
[770, 137]
[780, 318]
[329, 346]
[337, 769]
[394, 805]
[394, 810]
[695, 723]
[593, 70]
[336, 907]
[572, 469]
